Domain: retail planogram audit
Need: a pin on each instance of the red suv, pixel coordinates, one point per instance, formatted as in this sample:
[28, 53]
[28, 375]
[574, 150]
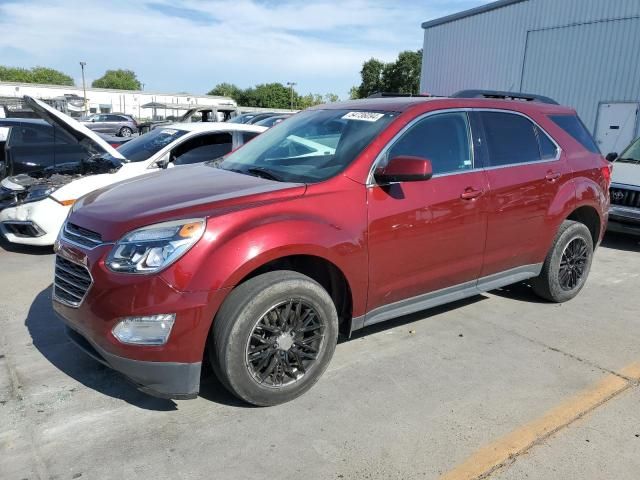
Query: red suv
[342, 216]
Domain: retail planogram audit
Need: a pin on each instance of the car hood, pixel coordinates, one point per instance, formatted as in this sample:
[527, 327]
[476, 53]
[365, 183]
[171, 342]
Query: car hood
[626, 173]
[71, 127]
[183, 192]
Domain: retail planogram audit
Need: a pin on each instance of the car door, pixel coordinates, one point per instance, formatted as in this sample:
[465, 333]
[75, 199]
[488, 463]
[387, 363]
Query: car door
[525, 171]
[202, 148]
[427, 236]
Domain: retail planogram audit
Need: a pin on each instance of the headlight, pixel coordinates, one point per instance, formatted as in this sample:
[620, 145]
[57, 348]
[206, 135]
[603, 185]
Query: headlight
[37, 193]
[153, 248]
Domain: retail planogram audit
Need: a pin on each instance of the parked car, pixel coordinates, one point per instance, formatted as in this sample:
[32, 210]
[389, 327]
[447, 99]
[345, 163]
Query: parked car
[33, 146]
[393, 206]
[201, 113]
[117, 124]
[243, 118]
[252, 118]
[33, 207]
[271, 121]
[624, 215]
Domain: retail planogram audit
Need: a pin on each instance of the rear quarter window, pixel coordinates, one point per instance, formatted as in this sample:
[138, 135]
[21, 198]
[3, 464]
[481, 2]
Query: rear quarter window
[572, 125]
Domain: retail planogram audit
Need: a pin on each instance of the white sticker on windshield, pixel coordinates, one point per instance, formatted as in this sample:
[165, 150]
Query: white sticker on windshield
[4, 133]
[168, 131]
[364, 116]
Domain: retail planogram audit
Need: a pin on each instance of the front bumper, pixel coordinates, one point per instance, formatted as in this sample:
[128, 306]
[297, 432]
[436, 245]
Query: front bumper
[35, 223]
[624, 220]
[171, 370]
[180, 381]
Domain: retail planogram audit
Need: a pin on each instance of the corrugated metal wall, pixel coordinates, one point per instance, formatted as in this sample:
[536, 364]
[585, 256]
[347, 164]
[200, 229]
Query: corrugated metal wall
[580, 52]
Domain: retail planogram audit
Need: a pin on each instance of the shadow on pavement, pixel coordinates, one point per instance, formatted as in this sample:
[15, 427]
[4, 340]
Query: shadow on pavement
[620, 241]
[47, 333]
[414, 317]
[521, 292]
[27, 249]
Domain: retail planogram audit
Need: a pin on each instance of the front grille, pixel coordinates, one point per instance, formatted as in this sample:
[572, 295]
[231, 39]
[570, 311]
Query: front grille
[71, 283]
[625, 197]
[81, 236]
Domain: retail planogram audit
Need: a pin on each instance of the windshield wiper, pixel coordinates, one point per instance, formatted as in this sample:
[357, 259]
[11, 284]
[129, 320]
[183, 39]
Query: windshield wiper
[263, 172]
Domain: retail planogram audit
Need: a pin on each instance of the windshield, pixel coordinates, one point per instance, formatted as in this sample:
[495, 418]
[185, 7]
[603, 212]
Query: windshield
[309, 147]
[143, 147]
[631, 154]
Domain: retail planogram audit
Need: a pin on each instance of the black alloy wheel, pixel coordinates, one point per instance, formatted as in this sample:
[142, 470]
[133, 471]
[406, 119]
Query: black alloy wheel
[285, 343]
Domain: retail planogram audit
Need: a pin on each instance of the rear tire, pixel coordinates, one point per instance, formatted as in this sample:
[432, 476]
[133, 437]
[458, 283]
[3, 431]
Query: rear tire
[273, 337]
[567, 265]
[125, 132]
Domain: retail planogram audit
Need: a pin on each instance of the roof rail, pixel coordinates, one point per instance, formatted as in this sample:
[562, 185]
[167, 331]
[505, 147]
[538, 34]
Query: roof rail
[527, 97]
[394, 94]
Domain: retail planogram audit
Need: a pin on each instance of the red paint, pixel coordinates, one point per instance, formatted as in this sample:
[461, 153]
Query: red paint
[390, 242]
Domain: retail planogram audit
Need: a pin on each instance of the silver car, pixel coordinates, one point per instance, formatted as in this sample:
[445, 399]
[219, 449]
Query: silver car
[117, 124]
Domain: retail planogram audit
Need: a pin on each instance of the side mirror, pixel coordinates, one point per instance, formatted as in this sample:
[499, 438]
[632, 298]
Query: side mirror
[612, 157]
[404, 169]
[164, 162]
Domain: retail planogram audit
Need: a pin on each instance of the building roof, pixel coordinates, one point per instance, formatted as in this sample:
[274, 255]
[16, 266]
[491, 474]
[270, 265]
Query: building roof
[471, 12]
[110, 90]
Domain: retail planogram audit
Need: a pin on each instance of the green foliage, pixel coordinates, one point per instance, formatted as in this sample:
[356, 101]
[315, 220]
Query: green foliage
[119, 80]
[401, 76]
[226, 90]
[44, 75]
[271, 95]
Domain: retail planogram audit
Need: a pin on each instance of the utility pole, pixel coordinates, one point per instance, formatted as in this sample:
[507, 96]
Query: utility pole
[291, 85]
[84, 88]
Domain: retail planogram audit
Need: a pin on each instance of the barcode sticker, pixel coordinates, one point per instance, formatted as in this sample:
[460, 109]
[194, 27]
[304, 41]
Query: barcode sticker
[364, 116]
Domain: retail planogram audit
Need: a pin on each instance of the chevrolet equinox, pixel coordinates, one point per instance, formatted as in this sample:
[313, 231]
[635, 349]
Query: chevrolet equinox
[340, 217]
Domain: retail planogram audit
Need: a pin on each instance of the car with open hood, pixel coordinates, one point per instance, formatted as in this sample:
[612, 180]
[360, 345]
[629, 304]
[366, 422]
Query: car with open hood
[624, 215]
[34, 206]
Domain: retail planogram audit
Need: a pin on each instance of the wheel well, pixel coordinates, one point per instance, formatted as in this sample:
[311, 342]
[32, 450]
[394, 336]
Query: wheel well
[590, 218]
[322, 271]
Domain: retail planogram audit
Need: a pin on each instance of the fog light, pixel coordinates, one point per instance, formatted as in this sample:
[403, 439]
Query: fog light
[148, 330]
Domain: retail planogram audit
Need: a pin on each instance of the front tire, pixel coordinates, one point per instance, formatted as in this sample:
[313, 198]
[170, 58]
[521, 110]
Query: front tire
[567, 265]
[125, 132]
[274, 337]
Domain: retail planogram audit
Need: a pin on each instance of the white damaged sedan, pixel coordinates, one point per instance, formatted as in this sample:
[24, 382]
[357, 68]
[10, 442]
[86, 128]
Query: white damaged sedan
[34, 206]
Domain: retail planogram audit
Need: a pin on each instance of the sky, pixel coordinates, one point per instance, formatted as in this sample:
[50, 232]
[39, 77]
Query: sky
[191, 45]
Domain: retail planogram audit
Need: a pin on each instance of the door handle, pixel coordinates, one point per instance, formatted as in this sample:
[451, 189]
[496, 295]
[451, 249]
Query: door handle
[552, 176]
[470, 193]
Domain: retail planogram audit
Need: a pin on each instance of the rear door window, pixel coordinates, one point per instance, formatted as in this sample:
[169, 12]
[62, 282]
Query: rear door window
[574, 127]
[511, 139]
[442, 138]
[202, 148]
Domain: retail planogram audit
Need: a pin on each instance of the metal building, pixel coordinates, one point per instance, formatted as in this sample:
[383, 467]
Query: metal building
[582, 53]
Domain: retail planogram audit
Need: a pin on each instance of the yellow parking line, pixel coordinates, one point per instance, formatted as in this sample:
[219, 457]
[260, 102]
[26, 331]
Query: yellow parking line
[499, 453]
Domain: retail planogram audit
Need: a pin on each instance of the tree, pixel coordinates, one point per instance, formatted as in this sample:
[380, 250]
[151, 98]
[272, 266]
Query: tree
[268, 95]
[43, 75]
[271, 95]
[227, 90]
[371, 74]
[118, 79]
[401, 76]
